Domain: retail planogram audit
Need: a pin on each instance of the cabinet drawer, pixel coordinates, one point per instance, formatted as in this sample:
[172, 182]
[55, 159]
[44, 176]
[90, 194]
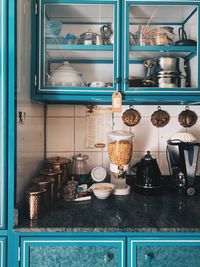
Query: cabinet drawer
[73, 252]
[164, 253]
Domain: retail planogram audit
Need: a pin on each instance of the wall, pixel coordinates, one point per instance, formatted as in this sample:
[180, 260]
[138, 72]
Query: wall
[66, 133]
[30, 133]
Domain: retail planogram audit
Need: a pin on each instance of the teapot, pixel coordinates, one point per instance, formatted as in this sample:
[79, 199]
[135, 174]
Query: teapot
[107, 33]
[148, 175]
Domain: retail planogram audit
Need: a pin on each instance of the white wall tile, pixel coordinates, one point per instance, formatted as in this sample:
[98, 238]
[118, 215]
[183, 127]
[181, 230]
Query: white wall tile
[145, 136]
[60, 110]
[195, 130]
[60, 134]
[168, 131]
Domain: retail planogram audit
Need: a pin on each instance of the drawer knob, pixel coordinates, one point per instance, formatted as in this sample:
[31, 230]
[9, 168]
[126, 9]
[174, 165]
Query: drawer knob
[148, 257]
[108, 257]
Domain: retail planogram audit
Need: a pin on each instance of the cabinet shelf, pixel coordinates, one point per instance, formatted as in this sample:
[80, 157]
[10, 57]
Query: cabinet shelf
[79, 47]
[144, 52]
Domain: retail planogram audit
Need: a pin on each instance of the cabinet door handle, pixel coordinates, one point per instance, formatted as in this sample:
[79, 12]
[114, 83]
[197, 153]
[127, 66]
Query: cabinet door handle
[118, 80]
[148, 257]
[108, 257]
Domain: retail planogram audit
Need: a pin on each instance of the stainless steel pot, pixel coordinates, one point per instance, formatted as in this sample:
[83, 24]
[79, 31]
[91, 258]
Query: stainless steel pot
[170, 64]
[171, 81]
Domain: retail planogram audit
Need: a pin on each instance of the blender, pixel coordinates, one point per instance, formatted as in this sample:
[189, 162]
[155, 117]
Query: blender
[120, 145]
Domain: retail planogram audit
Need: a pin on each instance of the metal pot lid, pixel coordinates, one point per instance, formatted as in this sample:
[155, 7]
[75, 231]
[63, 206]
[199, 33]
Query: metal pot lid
[43, 181]
[80, 157]
[131, 117]
[187, 118]
[49, 172]
[58, 160]
[160, 118]
[35, 191]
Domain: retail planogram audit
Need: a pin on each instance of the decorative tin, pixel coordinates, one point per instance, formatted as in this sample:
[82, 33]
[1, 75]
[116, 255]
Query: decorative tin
[160, 118]
[131, 117]
[187, 118]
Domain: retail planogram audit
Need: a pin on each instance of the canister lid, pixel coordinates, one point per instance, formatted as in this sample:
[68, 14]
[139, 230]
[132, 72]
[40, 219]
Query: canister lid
[35, 191]
[49, 172]
[58, 160]
[80, 157]
[98, 174]
[120, 135]
[43, 181]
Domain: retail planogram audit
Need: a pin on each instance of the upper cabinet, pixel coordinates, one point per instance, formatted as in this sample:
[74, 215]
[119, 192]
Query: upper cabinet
[161, 48]
[3, 115]
[77, 49]
[85, 50]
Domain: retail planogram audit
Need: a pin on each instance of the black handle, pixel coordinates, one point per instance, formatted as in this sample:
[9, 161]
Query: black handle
[182, 34]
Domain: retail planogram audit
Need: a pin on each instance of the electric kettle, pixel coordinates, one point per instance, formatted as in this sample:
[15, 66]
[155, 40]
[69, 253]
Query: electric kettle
[148, 175]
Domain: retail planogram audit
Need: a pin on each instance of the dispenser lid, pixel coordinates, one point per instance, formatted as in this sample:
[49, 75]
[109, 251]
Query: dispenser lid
[120, 135]
[98, 174]
[183, 137]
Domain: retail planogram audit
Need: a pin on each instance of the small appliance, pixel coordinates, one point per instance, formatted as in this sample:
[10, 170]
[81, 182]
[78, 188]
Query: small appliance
[182, 156]
[148, 175]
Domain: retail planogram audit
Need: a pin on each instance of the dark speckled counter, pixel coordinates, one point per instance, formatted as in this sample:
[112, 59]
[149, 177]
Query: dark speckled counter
[168, 212]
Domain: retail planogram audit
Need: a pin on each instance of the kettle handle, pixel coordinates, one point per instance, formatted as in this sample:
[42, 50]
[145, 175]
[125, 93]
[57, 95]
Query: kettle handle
[182, 34]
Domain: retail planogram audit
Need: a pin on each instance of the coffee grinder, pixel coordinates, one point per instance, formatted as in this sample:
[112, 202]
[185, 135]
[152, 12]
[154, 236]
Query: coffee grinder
[182, 156]
[120, 145]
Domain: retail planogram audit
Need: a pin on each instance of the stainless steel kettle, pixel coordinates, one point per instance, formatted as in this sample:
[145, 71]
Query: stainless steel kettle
[148, 175]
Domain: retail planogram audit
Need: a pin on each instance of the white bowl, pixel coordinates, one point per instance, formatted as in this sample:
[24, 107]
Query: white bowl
[102, 190]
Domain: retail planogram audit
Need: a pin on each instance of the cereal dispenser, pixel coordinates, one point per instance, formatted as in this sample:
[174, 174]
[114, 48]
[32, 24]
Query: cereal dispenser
[120, 145]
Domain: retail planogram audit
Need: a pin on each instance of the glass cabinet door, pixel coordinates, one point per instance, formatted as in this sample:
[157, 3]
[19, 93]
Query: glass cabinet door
[3, 106]
[161, 51]
[78, 47]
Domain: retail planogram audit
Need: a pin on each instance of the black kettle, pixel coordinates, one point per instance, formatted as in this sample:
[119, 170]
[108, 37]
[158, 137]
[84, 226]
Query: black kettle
[148, 175]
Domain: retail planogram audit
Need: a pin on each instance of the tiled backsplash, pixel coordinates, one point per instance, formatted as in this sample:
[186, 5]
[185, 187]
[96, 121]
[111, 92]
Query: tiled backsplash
[66, 133]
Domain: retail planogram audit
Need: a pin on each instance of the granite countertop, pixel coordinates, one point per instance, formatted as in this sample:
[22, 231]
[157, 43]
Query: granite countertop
[168, 212]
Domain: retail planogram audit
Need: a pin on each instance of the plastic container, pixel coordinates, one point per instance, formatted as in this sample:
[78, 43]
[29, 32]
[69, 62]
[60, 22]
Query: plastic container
[80, 169]
[120, 145]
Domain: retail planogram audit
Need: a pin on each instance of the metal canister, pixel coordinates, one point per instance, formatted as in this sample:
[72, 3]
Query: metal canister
[58, 177]
[48, 184]
[59, 164]
[35, 200]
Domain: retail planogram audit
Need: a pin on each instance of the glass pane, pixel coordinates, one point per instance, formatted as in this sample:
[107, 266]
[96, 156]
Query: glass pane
[78, 45]
[162, 52]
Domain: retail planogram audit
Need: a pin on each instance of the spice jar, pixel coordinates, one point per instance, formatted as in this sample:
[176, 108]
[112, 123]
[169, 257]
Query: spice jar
[59, 164]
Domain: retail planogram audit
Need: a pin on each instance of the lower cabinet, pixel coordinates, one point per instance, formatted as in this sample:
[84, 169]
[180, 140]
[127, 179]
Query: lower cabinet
[3, 252]
[72, 252]
[164, 253]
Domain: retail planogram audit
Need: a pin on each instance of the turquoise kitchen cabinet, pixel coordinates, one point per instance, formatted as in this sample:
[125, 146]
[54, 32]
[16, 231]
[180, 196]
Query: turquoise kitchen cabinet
[2, 251]
[73, 252]
[61, 38]
[164, 252]
[151, 30]
[3, 115]
[73, 61]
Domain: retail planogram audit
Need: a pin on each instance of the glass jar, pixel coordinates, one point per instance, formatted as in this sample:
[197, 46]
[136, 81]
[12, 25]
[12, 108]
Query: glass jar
[80, 169]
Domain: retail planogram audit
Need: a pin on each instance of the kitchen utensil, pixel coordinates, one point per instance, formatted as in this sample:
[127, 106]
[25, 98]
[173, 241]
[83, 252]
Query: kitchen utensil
[102, 190]
[98, 84]
[99, 40]
[54, 27]
[58, 164]
[187, 118]
[183, 40]
[58, 177]
[161, 36]
[107, 33]
[148, 175]
[160, 118]
[171, 81]
[80, 169]
[49, 185]
[66, 75]
[88, 38]
[135, 81]
[182, 155]
[166, 65]
[70, 38]
[131, 117]
[35, 202]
